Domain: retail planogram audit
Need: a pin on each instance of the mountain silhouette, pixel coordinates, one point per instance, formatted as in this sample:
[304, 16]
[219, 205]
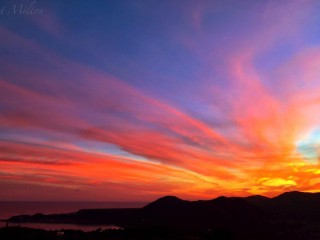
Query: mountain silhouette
[290, 214]
[166, 203]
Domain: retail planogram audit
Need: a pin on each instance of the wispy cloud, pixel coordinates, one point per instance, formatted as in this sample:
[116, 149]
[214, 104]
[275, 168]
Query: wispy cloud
[215, 103]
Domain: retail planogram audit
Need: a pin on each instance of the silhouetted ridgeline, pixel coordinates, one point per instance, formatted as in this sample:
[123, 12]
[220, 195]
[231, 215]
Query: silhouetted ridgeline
[292, 215]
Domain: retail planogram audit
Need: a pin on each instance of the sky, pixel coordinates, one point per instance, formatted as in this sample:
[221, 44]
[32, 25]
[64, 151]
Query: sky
[133, 100]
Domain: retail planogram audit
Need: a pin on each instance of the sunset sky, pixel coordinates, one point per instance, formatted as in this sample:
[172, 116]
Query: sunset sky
[133, 100]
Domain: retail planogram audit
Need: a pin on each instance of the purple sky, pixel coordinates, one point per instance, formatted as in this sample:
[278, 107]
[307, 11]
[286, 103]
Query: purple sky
[132, 100]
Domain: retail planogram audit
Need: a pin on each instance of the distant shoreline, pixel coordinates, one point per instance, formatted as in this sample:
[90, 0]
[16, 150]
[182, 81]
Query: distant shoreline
[291, 215]
[14, 208]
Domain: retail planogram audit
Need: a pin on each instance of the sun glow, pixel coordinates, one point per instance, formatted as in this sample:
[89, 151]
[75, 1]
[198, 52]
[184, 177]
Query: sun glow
[309, 146]
[199, 99]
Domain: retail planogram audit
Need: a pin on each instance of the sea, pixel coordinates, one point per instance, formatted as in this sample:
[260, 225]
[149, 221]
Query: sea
[14, 208]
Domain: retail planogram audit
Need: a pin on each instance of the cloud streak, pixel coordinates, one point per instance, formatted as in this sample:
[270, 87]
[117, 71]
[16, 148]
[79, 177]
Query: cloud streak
[200, 111]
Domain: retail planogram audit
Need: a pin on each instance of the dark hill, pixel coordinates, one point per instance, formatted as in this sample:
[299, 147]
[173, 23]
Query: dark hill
[166, 203]
[257, 199]
[296, 205]
[291, 214]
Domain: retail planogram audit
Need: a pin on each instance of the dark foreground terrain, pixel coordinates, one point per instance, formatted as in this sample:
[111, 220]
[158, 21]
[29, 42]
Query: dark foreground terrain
[292, 215]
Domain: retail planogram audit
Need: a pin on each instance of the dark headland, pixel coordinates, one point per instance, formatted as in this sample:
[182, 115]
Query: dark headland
[291, 215]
